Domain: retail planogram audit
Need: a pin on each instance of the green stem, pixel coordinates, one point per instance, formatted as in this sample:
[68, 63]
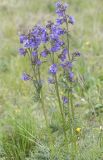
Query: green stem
[50, 139]
[42, 98]
[68, 40]
[69, 116]
[70, 96]
[43, 108]
[71, 101]
[32, 66]
[61, 109]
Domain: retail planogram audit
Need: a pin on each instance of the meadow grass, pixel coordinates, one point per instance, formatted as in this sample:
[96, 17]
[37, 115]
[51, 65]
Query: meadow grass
[23, 134]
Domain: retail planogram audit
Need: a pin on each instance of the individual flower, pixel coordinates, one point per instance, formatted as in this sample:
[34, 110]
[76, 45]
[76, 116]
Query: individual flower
[53, 69]
[87, 44]
[61, 43]
[27, 44]
[77, 53]
[58, 4]
[25, 77]
[56, 32]
[44, 37]
[65, 51]
[22, 51]
[38, 62]
[59, 21]
[55, 47]
[61, 8]
[65, 99]
[71, 19]
[34, 53]
[44, 53]
[78, 130]
[51, 80]
[35, 42]
[101, 128]
[22, 38]
[71, 76]
[17, 110]
[49, 24]
[67, 65]
[60, 31]
[32, 42]
[65, 6]
[54, 37]
[62, 57]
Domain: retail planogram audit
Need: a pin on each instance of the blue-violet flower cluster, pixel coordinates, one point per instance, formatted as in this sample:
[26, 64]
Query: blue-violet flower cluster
[48, 44]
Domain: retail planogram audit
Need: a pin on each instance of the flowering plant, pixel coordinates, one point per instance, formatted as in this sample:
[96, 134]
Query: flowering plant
[50, 44]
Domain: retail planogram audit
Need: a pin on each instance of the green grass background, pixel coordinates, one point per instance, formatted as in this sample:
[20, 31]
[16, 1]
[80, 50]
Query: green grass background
[17, 16]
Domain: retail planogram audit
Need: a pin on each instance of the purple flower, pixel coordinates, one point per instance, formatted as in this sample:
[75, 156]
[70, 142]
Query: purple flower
[51, 80]
[34, 53]
[40, 35]
[57, 31]
[62, 57]
[22, 38]
[38, 62]
[45, 37]
[25, 77]
[53, 69]
[59, 21]
[65, 99]
[60, 31]
[54, 37]
[71, 76]
[44, 53]
[65, 6]
[77, 54]
[65, 51]
[55, 47]
[61, 43]
[60, 12]
[61, 8]
[67, 65]
[33, 42]
[71, 19]
[22, 51]
[54, 29]
[58, 4]
[27, 44]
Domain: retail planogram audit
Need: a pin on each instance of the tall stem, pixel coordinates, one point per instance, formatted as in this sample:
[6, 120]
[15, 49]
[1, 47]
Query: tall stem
[60, 106]
[42, 98]
[50, 139]
[70, 96]
[68, 41]
[43, 107]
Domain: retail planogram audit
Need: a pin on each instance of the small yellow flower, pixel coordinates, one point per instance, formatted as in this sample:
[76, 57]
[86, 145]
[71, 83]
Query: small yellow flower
[88, 44]
[101, 128]
[78, 130]
[61, 93]
[17, 110]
